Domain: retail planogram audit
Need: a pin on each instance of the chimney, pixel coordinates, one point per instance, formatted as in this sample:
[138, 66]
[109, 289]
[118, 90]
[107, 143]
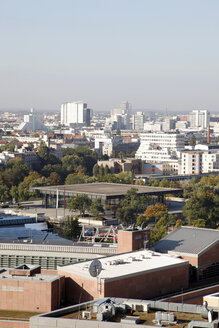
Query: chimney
[208, 138]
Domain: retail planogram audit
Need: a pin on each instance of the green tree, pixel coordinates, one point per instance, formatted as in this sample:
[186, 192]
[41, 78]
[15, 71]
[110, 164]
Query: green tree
[160, 230]
[23, 192]
[14, 193]
[49, 168]
[130, 206]
[46, 156]
[189, 187]
[80, 203]
[126, 215]
[156, 211]
[139, 183]
[203, 204]
[70, 227]
[106, 170]
[200, 223]
[9, 147]
[43, 152]
[172, 219]
[178, 224]
[86, 157]
[192, 140]
[118, 132]
[71, 162]
[165, 183]
[125, 177]
[74, 178]
[4, 193]
[96, 170]
[101, 170]
[96, 207]
[140, 220]
[15, 172]
[54, 179]
[153, 182]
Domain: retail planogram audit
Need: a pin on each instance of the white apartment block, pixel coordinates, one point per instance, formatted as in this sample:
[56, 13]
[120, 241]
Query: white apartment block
[210, 162]
[160, 147]
[153, 127]
[204, 159]
[104, 145]
[199, 118]
[75, 113]
[138, 121]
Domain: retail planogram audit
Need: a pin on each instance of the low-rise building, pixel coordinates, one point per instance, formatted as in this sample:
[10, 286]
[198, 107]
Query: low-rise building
[25, 288]
[197, 245]
[123, 165]
[141, 274]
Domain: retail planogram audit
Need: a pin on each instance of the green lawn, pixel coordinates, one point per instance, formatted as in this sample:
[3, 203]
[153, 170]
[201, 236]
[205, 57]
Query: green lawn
[13, 315]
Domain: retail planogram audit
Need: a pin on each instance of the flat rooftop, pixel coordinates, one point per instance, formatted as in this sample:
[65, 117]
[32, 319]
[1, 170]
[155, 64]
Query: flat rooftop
[124, 265]
[40, 277]
[103, 189]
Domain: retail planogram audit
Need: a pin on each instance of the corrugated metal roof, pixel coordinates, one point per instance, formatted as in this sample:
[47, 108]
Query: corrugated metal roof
[187, 240]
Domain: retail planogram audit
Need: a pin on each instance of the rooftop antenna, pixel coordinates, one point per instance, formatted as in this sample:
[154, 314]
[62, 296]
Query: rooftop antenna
[166, 111]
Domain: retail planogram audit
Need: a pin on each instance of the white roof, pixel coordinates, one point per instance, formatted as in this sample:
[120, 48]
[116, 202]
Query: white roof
[124, 265]
[40, 277]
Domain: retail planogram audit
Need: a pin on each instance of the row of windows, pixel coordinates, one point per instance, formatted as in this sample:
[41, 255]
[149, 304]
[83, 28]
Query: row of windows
[45, 262]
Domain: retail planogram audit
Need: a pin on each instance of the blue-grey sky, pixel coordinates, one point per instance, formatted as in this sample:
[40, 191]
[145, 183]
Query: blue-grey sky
[153, 53]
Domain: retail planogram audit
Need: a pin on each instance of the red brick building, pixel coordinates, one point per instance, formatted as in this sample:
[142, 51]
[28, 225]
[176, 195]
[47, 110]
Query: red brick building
[141, 274]
[26, 289]
[198, 246]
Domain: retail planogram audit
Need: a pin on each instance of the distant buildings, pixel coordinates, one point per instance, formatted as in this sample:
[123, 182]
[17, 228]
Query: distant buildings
[106, 145]
[120, 117]
[32, 123]
[138, 121]
[199, 118]
[160, 147]
[203, 159]
[75, 113]
[123, 165]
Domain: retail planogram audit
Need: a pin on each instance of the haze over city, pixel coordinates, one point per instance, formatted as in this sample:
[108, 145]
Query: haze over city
[156, 54]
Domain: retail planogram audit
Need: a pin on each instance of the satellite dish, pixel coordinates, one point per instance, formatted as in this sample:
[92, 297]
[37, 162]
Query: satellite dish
[95, 268]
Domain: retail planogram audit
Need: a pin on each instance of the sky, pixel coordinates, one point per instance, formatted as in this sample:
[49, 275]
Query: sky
[157, 54]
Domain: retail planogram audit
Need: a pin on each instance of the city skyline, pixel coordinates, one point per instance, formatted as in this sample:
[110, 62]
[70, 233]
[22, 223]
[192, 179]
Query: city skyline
[156, 55]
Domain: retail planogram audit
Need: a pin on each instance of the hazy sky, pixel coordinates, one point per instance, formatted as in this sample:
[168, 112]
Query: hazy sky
[153, 53]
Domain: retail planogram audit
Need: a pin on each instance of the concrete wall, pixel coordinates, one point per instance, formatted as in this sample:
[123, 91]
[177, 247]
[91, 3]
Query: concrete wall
[193, 297]
[53, 320]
